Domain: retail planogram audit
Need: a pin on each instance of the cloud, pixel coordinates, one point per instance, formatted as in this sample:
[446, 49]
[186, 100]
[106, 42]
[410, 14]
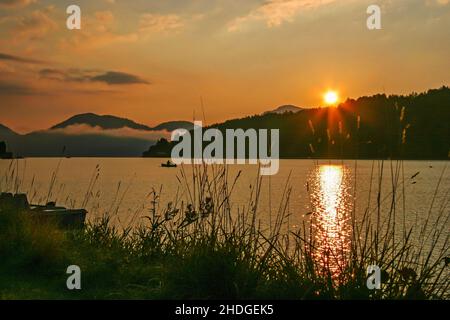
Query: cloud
[157, 23]
[84, 129]
[104, 21]
[113, 77]
[69, 75]
[15, 3]
[276, 12]
[15, 89]
[36, 25]
[79, 75]
[97, 30]
[9, 57]
[105, 17]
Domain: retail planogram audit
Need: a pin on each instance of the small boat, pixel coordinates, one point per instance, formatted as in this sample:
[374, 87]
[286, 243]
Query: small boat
[168, 164]
[63, 217]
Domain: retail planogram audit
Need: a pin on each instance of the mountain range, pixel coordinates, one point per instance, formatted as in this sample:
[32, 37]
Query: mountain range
[93, 135]
[89, 135]
[415, 126]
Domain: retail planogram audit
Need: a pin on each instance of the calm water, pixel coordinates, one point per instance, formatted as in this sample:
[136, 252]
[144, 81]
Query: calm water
[324, 193]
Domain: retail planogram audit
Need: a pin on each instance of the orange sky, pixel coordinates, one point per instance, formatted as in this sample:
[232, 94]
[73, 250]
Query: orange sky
[151, 61]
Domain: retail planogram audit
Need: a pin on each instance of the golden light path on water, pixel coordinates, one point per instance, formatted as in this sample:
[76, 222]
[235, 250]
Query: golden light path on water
[331, 222]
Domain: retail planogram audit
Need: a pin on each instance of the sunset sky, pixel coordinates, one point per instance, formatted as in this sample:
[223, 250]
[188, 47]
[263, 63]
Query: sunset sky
[151, 61]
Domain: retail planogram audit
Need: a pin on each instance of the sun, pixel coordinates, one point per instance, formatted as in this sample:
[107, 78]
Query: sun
[331, 98]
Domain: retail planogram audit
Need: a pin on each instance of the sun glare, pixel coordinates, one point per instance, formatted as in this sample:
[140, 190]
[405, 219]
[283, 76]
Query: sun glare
[331, 98]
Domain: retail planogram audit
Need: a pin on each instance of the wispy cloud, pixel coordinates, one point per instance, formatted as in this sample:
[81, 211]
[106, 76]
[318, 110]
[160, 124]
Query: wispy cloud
[69, 75]
[97, 30]
[9, 57]
[8, 88]
[114, 77]
[160, 23]
[36, 25]
[104, 17]
[15, 3]
[79, 75]
[276, 12]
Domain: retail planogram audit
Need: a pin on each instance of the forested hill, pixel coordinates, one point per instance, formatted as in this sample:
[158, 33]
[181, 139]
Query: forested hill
[416, 126]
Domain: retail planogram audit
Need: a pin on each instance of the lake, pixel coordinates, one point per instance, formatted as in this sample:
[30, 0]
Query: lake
[137, 177]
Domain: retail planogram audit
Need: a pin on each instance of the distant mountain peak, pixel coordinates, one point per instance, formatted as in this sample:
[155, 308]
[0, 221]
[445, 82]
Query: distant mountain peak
[285, 108]
[108, 122]
[102, 121]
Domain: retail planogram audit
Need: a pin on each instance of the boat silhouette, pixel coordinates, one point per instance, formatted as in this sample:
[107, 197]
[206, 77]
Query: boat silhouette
[168, 164]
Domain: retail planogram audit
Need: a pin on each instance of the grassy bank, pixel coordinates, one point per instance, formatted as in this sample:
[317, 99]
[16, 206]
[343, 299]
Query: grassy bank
[197, 248]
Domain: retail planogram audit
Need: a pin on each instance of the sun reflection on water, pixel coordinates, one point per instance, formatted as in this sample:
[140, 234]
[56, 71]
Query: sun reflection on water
[331, 226]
